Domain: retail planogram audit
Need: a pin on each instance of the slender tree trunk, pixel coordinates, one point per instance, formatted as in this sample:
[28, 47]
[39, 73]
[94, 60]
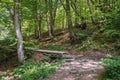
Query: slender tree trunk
[38, 19]
[63, 24]
[92, 18]
[83, 23]
[52, 12]
[49, 26]
[20, 50]
[69, 21]
[49, 18]
[39, 26]
[76, 16]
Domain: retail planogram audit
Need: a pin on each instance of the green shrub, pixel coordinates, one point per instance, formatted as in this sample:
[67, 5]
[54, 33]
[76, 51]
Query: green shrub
[112, 67]
[117, 47]
[111, 28]
[7, 46]
[89, 44]
[0, 77]
[31, 70]
[83, 34]
[111, 34]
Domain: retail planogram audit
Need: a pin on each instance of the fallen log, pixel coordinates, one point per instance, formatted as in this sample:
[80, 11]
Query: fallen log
[50, 53]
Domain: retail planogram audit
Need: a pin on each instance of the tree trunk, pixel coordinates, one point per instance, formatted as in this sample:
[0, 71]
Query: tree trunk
[92, 18]
[20, 50]
[38, 21]
[49, 20]
[39, 26]
[69, 22]
[76, 16]
[51, 17]
[77, 13]
[49, 26]
[63, 23]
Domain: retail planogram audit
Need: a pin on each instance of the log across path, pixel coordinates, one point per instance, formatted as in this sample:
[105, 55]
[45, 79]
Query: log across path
[50, 52]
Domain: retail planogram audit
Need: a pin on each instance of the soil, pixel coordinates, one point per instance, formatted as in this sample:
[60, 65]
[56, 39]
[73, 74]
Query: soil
[9, 64]
[12, 63]
[77, 66]
[83, 66]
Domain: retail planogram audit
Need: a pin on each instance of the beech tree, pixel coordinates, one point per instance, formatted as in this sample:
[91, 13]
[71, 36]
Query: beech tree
[50, 27]
[51, 8]
[67, 9]
[38, 18]
[20, 50]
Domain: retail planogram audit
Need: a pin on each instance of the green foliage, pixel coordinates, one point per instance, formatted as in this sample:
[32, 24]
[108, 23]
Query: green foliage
[88, 44]
[55, 47]
[46, 59]
[6, 47]
[82, 35]
[31, 43]
[111, 30]
[111, 34]
[113, 18]
[0, 77]
[31, 70]
[117, 47]
[112, 67]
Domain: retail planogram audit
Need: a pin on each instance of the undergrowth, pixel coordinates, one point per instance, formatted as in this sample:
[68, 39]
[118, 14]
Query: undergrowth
[89, 44]
[112, 67]
[55, 47]
[33, 71]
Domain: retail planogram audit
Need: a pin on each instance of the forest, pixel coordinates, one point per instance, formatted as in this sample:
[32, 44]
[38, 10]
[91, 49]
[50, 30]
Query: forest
[59, 39]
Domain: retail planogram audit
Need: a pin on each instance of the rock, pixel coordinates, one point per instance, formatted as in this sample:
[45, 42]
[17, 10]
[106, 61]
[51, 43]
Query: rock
[69, 60]
[2, 73]
[91, 70]
[73, 71]
[79, 68]
[9, 78]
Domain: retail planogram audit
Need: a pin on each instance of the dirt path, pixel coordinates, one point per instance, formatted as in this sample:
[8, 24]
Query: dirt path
[80, 67]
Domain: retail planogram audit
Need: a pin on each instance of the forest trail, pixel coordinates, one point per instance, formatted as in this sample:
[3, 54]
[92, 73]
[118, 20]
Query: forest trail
[86, 66]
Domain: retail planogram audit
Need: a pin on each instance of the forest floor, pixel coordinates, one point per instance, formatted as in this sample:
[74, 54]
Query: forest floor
[80, 65]
[85, 66]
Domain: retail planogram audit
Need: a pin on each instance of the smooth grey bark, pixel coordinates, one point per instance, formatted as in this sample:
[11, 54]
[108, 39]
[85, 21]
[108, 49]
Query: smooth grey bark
[69, 20]
[51, 8]
[39, 26]
[48, 19]
[49, 26]
[20, 50]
